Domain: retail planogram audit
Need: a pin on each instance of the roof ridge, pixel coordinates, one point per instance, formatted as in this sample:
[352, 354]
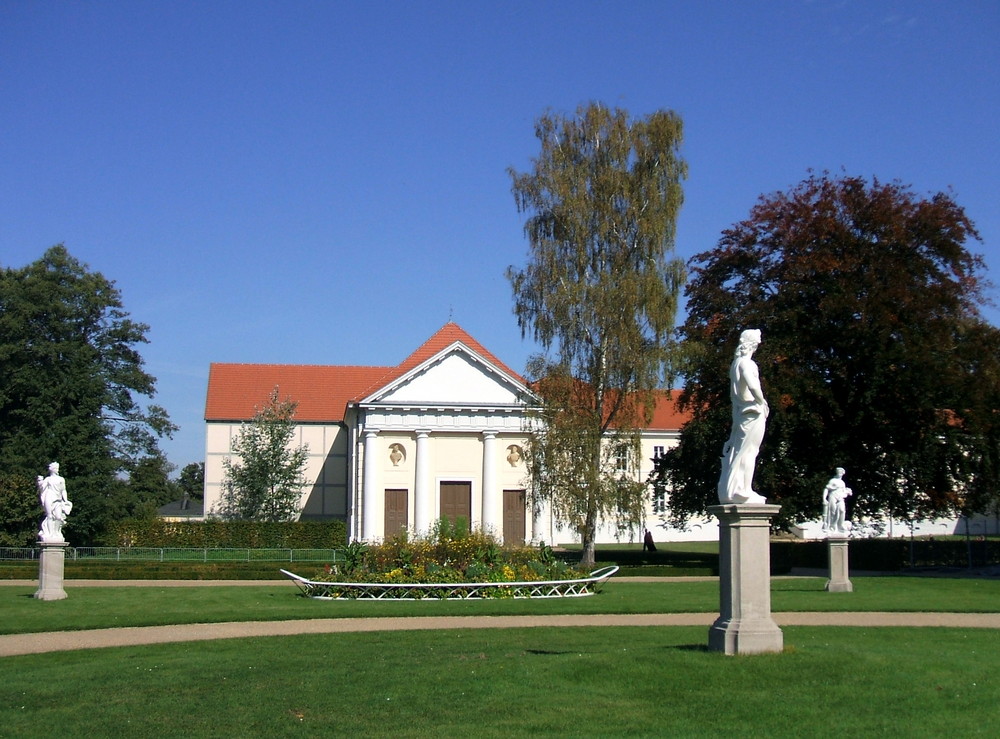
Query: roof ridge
[449, 334]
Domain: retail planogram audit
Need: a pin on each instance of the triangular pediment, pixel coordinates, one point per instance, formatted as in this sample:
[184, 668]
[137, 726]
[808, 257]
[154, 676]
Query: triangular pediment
[454, 376]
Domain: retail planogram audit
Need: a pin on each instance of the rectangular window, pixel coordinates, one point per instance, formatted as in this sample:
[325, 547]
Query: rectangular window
[659, 502]
[621, 459]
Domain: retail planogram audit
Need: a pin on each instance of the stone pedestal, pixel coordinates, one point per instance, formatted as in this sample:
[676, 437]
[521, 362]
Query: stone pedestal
[839, 581]
[745, 625]
[50, 570]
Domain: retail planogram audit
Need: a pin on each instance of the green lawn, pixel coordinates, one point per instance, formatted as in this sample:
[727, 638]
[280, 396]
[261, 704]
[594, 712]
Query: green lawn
[569, 682]
[89, 608]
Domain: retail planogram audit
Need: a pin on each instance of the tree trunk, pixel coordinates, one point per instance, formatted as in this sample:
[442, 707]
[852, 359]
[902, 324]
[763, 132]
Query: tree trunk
[588, 535]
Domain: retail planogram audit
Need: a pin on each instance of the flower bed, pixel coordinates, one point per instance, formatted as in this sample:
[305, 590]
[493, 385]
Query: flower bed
[449, 562]
[573, 588]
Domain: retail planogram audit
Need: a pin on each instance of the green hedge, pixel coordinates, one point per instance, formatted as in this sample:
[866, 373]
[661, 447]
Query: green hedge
[887, 555]
[102, 570]
[216, 533]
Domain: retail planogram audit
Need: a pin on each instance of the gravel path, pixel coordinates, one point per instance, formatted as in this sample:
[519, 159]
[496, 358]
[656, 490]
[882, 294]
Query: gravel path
[16, 644]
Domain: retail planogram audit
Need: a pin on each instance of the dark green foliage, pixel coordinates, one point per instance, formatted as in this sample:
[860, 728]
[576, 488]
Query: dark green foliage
[148, 487]
[874, 356]
[599, 293]
[99, 569]
[265, 481]
[218, 533]
[70, 376]
[20, 510]
[192, 480]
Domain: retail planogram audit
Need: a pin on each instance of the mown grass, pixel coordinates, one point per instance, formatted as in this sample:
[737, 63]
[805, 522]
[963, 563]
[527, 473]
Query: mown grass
[569, 682]
[100, 607]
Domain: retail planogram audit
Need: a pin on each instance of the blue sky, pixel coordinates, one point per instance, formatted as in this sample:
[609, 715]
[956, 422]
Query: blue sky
[325, 182]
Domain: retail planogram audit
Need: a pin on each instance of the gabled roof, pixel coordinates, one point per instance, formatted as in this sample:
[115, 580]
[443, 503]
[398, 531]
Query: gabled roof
[323, 392]
[237, 391]
[441, 340]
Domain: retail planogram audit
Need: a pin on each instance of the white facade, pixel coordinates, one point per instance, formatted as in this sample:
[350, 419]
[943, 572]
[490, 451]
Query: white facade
[454, 421]
[441, 435]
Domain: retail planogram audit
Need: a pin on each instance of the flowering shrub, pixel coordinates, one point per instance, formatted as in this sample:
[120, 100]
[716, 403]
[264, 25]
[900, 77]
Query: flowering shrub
[449, 555]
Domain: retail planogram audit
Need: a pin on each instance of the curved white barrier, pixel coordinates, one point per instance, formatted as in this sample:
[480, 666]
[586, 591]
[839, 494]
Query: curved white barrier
[452, 591]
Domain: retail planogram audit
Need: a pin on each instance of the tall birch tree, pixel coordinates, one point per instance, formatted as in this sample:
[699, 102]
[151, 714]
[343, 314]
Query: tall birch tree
[599, 295]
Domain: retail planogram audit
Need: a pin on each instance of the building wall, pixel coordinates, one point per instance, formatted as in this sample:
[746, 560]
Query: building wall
[332, 468]
[325, 494]
[451, 457]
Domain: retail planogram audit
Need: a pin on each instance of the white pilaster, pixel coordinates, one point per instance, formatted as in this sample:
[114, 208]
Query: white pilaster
[423, 497]
[491, 504]
[538, 529]
[371, 516]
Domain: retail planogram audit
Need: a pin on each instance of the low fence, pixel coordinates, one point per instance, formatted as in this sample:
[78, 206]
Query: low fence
[166, 554]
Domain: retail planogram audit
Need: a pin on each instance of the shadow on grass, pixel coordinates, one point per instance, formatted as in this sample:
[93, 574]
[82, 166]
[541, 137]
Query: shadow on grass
[689, 648]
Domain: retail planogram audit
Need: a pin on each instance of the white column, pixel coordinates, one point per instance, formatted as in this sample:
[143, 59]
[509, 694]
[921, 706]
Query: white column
[491, 506]
[423, 494]
[370, 515]
[538, 533]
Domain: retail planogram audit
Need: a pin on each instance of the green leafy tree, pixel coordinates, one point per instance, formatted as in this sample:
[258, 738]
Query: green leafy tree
[20, 510]
[192, 480]
[874, 357]
[72, 383]
[599, 294]
[265, 484]
[147, 488]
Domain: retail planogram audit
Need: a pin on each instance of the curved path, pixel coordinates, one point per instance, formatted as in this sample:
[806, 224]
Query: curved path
[15, 644]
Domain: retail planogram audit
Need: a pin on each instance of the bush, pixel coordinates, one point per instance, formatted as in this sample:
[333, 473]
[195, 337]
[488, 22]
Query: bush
[216, 533]
[450, 554]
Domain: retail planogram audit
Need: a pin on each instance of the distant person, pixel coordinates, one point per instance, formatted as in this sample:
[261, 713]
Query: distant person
[647, 542]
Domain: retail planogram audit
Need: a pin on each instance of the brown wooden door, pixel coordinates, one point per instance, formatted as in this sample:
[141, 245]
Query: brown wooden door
[396, 519]
[456, 500]
[513, 517]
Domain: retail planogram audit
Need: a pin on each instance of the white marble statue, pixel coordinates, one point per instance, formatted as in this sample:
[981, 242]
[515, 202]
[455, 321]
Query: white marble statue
[835, 496]
[739, 455]
[52, 492]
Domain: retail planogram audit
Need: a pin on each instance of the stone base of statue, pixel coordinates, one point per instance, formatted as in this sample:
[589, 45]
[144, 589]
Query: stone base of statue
[50, 570]
[745, 625]
[839, 581]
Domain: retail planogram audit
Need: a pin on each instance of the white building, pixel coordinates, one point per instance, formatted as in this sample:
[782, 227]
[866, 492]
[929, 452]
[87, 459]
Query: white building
[395, 448]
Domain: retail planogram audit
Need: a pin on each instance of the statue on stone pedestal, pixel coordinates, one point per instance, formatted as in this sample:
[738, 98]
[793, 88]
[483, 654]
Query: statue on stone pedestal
[835, 496]
[52, 493]
[750, 410]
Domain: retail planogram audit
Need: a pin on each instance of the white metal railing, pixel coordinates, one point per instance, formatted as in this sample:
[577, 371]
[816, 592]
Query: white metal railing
[182, 554]
[452, 591]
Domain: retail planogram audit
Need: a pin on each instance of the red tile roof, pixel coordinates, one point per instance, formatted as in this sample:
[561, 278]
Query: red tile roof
[445, 337]
[666, 417]
[236, 391]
